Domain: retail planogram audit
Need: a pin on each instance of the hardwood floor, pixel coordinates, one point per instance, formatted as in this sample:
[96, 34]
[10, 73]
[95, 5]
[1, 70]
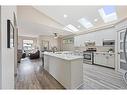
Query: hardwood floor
[31, 75]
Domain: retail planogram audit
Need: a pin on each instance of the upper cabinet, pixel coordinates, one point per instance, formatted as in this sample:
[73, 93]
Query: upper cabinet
[98, 37]
[68, 40]
[77, 41]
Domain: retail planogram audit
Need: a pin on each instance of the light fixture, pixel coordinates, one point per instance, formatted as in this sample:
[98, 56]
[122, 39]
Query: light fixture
[85, 23]
[71, 28]
[65, 16]
[108, 13]
[55, 35]
[67, 29]
[95, 20]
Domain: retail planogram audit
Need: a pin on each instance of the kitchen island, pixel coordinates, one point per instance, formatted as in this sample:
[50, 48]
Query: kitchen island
[66, 68]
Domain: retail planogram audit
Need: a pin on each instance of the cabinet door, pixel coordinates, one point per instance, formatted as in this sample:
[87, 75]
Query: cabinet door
[77, 41]
[97, 58]
[104, 60]
[108, 60]
[111, 60]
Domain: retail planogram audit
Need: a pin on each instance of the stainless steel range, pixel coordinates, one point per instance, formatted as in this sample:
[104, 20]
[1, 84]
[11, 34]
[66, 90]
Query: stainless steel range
[88, 55]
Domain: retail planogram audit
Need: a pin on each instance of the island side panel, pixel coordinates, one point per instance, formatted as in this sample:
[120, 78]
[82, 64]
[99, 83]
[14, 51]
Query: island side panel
[46, 62]
[60, 70]
[76, 73]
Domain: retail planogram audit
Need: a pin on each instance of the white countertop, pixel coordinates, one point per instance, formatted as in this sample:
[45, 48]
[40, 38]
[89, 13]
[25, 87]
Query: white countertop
[62, 55]
[105, 53]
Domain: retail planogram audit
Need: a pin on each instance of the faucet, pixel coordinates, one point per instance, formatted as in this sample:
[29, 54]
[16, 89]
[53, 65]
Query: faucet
[54, 49]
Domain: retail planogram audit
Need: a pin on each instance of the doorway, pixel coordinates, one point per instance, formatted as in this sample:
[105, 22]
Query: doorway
[122, 66]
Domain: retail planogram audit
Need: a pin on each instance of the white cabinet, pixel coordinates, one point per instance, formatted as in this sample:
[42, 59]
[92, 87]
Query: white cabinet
[77, 41]
[111, 60]
[104, 59]
[98, 37]
[67, 72]
[46, 63]
[96, 57]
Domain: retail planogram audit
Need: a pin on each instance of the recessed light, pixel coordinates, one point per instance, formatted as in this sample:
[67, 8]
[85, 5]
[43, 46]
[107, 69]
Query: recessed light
[85, 23]
[65, 16]
[95, 20]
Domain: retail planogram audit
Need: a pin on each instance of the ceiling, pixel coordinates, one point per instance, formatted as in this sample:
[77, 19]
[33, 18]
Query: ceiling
[74, 13]
[35, 29]
[33, 23]
[46, 20]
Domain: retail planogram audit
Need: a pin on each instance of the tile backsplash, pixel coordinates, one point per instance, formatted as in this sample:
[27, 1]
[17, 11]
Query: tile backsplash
[104, 49]
[99, 48]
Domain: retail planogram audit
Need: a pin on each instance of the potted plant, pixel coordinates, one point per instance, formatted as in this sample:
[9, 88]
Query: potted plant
[111, 50]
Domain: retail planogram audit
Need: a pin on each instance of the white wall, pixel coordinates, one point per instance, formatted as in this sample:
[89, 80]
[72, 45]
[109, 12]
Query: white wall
[7, 55]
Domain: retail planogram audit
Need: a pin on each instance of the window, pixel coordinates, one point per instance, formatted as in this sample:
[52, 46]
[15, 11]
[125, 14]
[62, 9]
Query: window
[27, 44]
[108, 13]
[85, 23]
[71, 28]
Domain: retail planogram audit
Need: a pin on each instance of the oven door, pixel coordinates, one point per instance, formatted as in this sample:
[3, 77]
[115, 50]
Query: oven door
[87, 56]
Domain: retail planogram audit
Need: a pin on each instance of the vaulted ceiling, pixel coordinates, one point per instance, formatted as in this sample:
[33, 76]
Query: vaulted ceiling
[31, 22]
[45, 20]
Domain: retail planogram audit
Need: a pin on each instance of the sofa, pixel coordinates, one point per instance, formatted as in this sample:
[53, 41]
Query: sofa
[35, 55]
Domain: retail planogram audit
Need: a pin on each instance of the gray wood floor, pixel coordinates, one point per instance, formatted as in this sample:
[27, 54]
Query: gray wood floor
[98, 77]
[31, 75]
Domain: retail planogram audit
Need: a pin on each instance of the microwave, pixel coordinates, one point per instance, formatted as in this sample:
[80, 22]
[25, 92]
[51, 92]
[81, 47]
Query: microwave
[109, 43]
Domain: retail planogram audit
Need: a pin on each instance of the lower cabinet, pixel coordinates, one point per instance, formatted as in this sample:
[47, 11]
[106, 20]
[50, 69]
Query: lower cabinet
[104, 59]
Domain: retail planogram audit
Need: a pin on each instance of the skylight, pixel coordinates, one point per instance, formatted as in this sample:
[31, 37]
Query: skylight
[85, 23]
[71, 28]
[65, 28]
[108, 13]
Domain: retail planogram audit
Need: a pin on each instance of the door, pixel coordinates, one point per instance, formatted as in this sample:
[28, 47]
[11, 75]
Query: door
[122, 65]
[125, 54]
[87, 56]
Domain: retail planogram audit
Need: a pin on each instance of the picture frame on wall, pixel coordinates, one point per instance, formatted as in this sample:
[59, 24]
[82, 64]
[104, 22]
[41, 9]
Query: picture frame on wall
[10, 34]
